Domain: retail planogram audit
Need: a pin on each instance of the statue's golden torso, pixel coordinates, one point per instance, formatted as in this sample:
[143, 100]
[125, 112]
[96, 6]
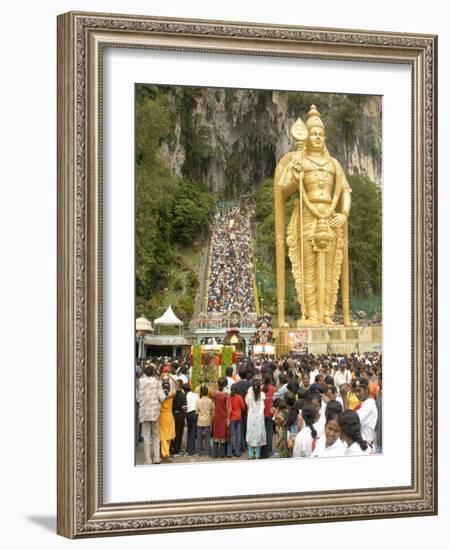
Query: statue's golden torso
[319, 179]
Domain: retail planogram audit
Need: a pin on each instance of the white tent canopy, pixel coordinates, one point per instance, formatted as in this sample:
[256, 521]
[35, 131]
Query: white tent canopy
[169, 318]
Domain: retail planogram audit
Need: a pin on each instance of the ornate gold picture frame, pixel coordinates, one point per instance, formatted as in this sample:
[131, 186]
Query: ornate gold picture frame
[82, 508]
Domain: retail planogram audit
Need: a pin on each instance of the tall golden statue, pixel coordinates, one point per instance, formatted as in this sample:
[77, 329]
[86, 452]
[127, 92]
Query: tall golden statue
[317, 234]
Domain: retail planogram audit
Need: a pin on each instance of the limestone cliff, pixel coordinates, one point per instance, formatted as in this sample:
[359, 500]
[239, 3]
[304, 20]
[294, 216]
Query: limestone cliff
[232, 139]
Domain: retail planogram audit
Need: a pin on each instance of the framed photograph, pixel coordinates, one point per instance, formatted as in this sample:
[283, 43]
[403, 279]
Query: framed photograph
[247, 315]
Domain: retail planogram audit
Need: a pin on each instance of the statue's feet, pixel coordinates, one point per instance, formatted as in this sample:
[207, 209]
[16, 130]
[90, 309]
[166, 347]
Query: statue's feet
[328, 321]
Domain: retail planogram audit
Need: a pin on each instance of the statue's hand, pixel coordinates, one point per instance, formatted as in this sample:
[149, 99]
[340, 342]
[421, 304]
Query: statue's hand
[297, 169]
[338, 220]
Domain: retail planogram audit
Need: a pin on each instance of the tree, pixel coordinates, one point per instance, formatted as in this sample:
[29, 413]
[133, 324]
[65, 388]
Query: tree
[192, 212]
[171, 213]
[155, 187]
[365, 237]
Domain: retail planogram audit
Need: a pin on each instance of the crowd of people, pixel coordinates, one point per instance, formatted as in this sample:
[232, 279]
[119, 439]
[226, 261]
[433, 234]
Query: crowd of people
[311, 406]
[230, 282]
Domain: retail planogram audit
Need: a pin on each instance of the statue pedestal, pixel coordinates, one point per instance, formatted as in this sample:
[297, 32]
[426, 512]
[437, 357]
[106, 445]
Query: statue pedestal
[306, 323]
[282, 341]
[327, 339]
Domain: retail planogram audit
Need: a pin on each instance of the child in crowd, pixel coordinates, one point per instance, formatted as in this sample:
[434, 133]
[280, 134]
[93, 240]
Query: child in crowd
[205, 410]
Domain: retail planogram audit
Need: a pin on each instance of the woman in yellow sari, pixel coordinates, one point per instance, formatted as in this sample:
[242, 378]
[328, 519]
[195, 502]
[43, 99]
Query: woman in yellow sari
[166, 418]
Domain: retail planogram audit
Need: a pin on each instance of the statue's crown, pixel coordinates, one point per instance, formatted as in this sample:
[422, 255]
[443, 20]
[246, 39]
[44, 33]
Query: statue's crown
[314, 118]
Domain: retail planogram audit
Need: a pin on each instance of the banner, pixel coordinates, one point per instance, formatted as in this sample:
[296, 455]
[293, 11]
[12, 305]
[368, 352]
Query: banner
[298, 340]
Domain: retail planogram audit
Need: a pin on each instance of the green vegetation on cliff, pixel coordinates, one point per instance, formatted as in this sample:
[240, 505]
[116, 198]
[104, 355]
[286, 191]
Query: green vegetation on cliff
[341, 113]
[365, 238]
[172, 215]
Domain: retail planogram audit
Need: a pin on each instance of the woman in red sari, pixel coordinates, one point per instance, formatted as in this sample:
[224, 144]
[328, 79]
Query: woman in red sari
[220, 421]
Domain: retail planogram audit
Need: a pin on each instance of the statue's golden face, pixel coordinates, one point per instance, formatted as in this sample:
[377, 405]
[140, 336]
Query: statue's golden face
[317, 137]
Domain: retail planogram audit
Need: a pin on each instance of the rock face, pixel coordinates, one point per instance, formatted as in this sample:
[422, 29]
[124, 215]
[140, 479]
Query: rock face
[232, 139]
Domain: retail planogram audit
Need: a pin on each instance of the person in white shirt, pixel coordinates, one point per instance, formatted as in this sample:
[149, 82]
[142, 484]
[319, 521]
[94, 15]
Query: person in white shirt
[343, 375]
[351, 435]
[307, 438]
[317, 399]
[367, 411]
[230, 380]
[282, 390]
[331, 394]
[313, 373]
[330, 444]
[183, 371]
[192, 399]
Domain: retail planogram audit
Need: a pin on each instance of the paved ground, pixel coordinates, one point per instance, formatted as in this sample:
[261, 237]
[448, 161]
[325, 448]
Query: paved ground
[183, 459]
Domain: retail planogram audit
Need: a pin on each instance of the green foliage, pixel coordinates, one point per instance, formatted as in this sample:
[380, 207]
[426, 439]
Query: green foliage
[365, 237]
[265, 243]
[374, 145]
[261, 105]
[196, 139]
[348, 114]
[342, 113]
[265, 251]
[370, 304]
[192, 280]
[229, 99]
[266, 280]
[226, 359]
[300, 102]
[178, 284]
[186, 306]
[192, 212]
[171, 213]
[155, 187]
[232, 172]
